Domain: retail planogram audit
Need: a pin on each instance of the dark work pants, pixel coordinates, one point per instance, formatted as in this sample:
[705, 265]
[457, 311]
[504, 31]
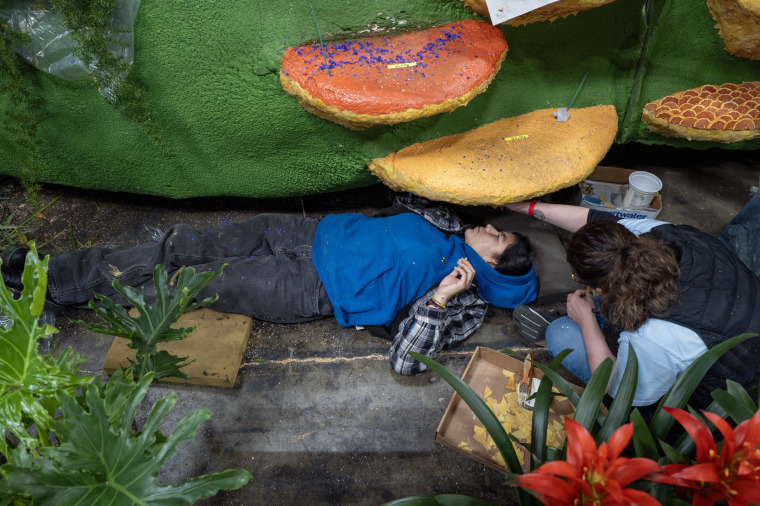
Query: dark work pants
[269, 276]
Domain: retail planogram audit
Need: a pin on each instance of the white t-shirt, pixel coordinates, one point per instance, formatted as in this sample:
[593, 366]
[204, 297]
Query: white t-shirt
[664, 349]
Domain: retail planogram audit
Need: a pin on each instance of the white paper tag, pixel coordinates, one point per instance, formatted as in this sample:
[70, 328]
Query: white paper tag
[503, 10]
[533, 389]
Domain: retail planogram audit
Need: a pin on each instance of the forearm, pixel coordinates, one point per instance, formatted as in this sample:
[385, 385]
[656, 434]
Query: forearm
[596, 346]
[571, 218]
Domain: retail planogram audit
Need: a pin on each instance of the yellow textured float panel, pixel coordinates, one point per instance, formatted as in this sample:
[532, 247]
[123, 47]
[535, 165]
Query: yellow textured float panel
[505, 161]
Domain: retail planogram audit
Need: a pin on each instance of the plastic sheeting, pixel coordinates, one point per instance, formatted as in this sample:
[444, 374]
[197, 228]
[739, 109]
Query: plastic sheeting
[52, 48]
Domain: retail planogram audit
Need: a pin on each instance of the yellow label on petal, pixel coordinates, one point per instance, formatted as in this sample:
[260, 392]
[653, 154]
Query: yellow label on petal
[402, 65]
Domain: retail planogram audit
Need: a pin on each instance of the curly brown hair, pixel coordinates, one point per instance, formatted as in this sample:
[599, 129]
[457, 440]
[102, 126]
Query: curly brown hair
[638, 276]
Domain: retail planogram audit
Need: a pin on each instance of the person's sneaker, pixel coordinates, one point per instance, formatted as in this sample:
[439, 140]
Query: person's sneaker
[530, 323]
[13, 259]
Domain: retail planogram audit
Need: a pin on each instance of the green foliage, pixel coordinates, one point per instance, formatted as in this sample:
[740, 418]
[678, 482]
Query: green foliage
[153, 324]
[22, 118]
[90, 22]
[735, 401]
[30, 382]
[95, 455]
[102, 460]
[538, 449]
[647, 439]
[680, 392]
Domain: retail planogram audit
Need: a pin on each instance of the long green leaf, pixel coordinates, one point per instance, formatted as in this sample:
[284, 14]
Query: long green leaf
[672, 454]
[479, 407]
[541, 414]
[736, 402]
[565, 387]
[643, 442]
[621, 406]
[680, 392]
[588, 407]
[483, 413]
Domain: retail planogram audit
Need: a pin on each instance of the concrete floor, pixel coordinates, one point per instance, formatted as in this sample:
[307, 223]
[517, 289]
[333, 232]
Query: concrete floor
[316, 414]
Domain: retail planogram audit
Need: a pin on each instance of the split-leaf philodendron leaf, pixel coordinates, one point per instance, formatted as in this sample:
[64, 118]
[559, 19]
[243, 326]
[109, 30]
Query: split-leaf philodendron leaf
[153, 323]
[29, 381]
[102, 460]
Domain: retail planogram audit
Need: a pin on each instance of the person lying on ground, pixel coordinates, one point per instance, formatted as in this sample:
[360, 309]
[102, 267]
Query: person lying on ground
[415, 269]
[671, 291]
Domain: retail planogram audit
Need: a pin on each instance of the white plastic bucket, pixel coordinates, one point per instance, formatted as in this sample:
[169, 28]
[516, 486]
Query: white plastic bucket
[642, 187]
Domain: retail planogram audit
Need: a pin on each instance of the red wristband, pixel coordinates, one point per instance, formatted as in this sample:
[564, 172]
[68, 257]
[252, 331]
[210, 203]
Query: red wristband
[531, 207]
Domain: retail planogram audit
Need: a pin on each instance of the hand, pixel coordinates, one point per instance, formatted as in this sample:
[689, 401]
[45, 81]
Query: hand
[457, 282]
[580, 307]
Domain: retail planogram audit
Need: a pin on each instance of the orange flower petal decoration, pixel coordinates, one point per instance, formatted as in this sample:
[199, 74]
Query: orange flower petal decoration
[594, 475]
[547, 486]
[698, 432]
[732, 475]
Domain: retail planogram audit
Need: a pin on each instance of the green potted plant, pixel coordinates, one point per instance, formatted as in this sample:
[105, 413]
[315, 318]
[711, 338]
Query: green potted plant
[72, 439]
[590, 470]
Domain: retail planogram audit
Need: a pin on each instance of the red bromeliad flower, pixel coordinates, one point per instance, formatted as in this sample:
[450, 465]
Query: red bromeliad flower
[591, 476]
[733, 474]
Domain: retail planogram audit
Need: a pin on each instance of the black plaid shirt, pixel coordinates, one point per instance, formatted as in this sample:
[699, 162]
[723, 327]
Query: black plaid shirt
[426, 329]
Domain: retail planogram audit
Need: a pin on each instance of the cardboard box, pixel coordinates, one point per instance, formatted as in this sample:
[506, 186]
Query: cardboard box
[458, 423]
[604, 191]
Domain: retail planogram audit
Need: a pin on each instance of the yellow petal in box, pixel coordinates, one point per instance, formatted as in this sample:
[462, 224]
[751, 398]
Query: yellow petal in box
[494, 376]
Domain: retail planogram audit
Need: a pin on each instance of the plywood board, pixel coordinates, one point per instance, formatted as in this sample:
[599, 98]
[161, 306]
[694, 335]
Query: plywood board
[216, 345]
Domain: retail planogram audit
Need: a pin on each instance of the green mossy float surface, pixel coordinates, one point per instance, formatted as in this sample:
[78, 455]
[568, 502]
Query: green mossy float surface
[211, 69]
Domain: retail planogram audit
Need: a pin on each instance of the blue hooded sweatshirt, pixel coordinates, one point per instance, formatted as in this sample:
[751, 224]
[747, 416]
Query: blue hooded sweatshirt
[373, 267]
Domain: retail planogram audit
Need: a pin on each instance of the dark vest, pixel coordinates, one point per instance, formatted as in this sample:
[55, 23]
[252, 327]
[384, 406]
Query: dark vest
[719, 299]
